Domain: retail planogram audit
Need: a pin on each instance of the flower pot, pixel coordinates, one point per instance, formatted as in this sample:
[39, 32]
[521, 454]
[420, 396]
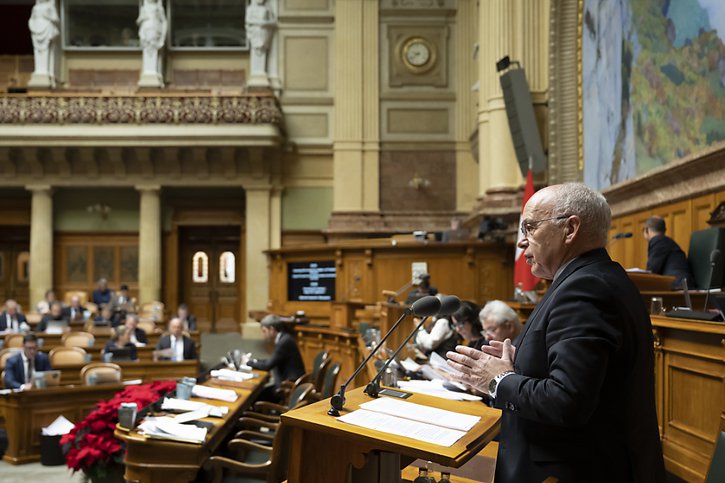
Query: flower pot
[113, 474]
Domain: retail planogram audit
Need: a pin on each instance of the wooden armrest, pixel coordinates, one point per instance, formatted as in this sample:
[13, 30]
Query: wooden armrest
[269, 418]
[253, 422]
[243, 444]
[268, 407]
[217, 464]
[250, 435]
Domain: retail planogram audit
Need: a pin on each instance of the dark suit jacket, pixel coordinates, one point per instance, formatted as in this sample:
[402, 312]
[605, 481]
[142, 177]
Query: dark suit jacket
[67, 312]
[286, 361]
[100, 298]
[141, 336]
[112, 345]
[43, 324]
[580, 405]
[4, 319]
[665, 257]
[189, 347]
[190, 322]
[15, 370]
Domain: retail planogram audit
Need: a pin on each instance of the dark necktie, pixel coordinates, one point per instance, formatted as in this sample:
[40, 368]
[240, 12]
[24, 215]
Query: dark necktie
[31, 368]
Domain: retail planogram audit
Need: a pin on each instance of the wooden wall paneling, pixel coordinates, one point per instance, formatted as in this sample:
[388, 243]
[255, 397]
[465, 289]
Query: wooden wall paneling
[701, 207]
[678, 217]
[354, 277]
[616, 247]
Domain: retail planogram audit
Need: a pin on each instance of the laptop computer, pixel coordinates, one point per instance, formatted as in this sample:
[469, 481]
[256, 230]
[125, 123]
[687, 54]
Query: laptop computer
[43, 379]
[56, 327]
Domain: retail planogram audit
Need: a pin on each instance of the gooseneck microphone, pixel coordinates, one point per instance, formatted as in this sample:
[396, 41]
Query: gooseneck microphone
[714, 257]
[449, 304]
[625, 234]
[423, 307]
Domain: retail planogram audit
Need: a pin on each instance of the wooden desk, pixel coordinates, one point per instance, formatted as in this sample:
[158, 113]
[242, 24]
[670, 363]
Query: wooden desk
[54, 340]
[148, 371]
[651, 281]
[315, 433]
[342, 344]
[26, 412]
[690, 392]
[154, 460]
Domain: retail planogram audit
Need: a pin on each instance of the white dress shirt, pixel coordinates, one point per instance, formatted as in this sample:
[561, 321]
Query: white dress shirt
[177, 347]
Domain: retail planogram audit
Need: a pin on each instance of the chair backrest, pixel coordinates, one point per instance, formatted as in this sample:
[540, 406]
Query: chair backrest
[299, 393]
[148, 326]
[83, 295]
[153, 310]
[328, 388]
[14, 340]
[702, 243]
[716, 472]
[6, 354]
[101, 373]
[92, 308]
[319, 380]
[281, 448]
[78, 339]
[33, 318]
[67, 356]
[321, 357]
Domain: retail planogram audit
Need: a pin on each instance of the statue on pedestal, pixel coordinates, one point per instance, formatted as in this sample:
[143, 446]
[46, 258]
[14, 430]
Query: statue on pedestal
[152, 27]
[260, 24]
[44, 30]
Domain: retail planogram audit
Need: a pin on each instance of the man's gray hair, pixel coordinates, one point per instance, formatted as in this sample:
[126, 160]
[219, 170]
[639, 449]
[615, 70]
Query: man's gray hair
[500, 312]
[274, 321]
[589, 205]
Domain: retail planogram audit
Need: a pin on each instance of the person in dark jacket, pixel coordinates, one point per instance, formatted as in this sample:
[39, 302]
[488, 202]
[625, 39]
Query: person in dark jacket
[19, 368]
[664, 255]
[182, 347]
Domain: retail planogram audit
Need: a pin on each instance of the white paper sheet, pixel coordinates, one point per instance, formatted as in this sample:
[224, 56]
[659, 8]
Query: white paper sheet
[173, 404]
[385, 423]
[58, 427]
[421, 413]
[435, 388]
[200, 413]
[410, 365]
[229, 375]
[165, 427]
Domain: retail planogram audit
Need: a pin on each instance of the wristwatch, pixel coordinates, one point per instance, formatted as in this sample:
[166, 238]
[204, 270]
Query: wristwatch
[493, 385]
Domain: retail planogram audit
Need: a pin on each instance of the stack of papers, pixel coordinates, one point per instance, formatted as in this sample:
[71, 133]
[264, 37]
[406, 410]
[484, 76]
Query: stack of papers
[168, 428]
[435, 388]
[207, 392]
[229, 375]
[412, 421]
[173, 404]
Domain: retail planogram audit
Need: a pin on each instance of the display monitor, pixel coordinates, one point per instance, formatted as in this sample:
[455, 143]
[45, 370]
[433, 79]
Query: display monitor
[311, 281]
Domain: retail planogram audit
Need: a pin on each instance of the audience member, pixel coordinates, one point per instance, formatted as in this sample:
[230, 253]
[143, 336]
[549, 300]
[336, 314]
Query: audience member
[75, 312]
[12, 320]
[56, 314]
[102, 295]
[423, 289]
[182, 347]
[20, 367]
[121, 339]
[187, 319]
[122, 303]
[137, 336]
[286, 361]
[43, 307]
[664, 256]
[499, 321]
[466, 322]
[439, 337]
[456, 233]
[105, 318]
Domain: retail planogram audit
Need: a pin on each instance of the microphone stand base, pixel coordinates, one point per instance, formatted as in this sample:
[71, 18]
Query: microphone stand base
[372, 389]
[333, 412]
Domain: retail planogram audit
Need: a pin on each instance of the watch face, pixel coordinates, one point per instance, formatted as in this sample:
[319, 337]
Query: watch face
[417, 54]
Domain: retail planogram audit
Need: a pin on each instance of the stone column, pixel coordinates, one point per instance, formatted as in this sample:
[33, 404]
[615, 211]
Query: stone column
[41, 243]
[258, 239]
[275, 219]
[149, 244]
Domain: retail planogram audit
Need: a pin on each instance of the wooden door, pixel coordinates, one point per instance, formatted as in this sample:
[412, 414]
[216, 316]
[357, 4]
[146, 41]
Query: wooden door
[211, 271]
[14, 266]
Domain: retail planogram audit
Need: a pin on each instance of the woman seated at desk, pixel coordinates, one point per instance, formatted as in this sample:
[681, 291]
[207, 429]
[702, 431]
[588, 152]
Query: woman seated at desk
[120, 347]
[439, 337]
[468, 324]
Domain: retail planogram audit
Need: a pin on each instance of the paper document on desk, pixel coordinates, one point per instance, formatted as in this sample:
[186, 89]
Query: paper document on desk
[200, 413]
[421, 413]
[229, 375]
[385, 423]
[58, 427]
[410, 365]
[173, 404]
[167, 428]
[435, 388]
[207, 392]
[437, 362]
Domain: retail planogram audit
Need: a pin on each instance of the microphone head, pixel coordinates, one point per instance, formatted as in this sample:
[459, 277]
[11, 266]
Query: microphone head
[626, 234]
[426, 306]
[714, 256]
[449, 305]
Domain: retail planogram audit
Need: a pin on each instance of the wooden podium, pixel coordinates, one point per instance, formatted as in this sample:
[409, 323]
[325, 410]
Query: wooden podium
[325, 449]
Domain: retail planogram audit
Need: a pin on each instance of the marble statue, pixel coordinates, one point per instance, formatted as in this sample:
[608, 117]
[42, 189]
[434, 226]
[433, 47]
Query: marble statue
[44, 30]
[152, 27]
[260, 24]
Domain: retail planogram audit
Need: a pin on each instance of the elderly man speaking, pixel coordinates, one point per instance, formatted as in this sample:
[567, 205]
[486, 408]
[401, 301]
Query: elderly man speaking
[577, 386]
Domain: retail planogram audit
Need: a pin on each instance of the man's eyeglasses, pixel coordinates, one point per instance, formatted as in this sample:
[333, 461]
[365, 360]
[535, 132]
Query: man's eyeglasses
[530, 226]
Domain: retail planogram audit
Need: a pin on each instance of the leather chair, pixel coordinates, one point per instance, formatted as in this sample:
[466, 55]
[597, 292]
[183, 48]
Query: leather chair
[6, 354]
[702, 243]
[268, 411]
[329, 385]
[67, 356]
[148, 326]
[78, 339]
[716, 473]
[101, 373]
[316, 376]
[14, 340]
[82, 295]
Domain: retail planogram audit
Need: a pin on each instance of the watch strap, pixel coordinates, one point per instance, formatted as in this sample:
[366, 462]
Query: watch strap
[493, 385]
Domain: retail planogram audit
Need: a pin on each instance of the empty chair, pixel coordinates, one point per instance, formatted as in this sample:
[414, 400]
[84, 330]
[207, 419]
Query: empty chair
[148, 326]
[268, 411]
[319, 366]
[328, 387]
[702, 244]
[67, 356]
[152, 310]
[101, 373]
[14, 340]
[7, 353]
[78, 339]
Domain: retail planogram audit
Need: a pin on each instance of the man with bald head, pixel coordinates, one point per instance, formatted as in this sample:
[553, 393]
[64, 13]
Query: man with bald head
[182, 347]
[577, 391]
[11, 320]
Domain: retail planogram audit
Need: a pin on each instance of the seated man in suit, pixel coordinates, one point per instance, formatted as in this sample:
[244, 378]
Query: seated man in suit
[499, 321]
[286, 361]
[664, 256]
[182, 347]
[187, 320]
[75, 312]
[136, 335]
[11, 320]
[105, 319]
[55, 314]
[102, 295]
[19, 368]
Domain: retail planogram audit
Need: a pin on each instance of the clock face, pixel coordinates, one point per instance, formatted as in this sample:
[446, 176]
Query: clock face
[417, 54]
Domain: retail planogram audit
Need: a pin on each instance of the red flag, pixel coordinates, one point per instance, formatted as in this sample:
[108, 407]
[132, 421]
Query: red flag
[522, 272]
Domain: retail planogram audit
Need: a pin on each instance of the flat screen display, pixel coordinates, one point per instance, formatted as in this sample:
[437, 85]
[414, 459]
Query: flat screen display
[311, 281]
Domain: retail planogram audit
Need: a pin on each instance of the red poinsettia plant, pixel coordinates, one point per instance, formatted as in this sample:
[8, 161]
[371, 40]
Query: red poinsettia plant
[90, 446]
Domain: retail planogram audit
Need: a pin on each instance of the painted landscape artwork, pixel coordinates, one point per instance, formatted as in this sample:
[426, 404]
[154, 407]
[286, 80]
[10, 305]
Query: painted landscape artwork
[653, 75]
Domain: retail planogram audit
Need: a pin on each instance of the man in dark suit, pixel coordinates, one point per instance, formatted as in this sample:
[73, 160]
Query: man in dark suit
[55, 315]
[75, 312]
[102, 295]
[11, 320]
[286, 361]
[137, 335]
[577, 386]
[182, 347]
[664, 255]
[187, 320]
[19, 368]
